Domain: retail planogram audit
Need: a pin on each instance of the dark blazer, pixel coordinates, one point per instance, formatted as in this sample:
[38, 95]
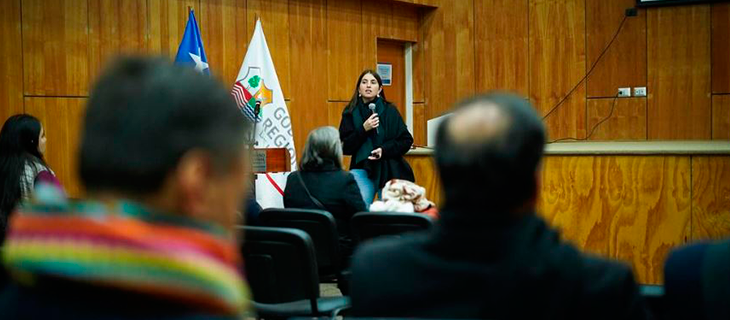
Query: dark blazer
[697, 282]
[392, 136]
[515, 270]
[336, 189]
[59, 299]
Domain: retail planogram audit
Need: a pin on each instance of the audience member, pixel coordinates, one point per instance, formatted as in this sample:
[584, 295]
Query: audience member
[490, 256]
[697, 282]
[163, 162]
[22, 145]
[321, 184]
[252, 209]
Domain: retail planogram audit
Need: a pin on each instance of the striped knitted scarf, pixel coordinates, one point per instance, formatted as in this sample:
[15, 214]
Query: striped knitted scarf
[123, 245]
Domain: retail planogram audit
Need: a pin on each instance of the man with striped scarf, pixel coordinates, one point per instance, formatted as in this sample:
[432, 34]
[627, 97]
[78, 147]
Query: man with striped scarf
[163, 161]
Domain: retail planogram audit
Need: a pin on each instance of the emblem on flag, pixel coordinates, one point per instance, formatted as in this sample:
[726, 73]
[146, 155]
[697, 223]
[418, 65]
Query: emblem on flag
[250, 91]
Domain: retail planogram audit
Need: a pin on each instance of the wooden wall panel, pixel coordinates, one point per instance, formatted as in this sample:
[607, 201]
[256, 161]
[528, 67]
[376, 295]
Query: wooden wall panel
[112, 34]
[419, 124]
[334, 113]
[227, 37]
[557, 64]
[429, 3]
[344, 56]
[721, 117]
[62, 119]
[568, 120]
[710, 197]
[424, 169]
[372, 13]
[403, 23]
[679, 72]
[624, 63]
[634, 209]
[501, 41]
[628, 121]
[419, 74]
[308, 24]
[720, 47]
[11, 53]
[387, 20]
[390, 20]
[55, 47]
[167, 20]
[448, 34]
[275, 16]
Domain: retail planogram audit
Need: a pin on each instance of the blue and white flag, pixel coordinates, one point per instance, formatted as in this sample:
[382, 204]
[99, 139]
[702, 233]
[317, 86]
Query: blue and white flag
[190, 52]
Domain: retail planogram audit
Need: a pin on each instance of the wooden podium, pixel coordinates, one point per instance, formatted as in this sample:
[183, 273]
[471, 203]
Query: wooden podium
[270, 160]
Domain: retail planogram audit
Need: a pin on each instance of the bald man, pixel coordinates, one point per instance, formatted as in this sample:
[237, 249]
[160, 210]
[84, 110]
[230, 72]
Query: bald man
[491, 256]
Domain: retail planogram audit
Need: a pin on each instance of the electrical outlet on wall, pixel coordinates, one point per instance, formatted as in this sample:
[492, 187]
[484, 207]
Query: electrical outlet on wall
[624, 92]
[640, 92]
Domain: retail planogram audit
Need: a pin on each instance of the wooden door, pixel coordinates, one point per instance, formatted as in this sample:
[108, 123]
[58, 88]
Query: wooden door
[393, 53]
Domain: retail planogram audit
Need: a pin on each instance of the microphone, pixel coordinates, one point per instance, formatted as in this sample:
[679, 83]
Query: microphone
[257, 108]
[371, 106]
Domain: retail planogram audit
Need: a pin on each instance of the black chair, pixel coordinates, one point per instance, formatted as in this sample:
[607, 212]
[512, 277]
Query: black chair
[282, 272]
[321, 227]
[367, 225]
[654, 297]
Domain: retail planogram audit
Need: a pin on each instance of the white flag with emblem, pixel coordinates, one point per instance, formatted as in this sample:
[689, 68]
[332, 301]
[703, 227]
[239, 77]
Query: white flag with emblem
[257, 84]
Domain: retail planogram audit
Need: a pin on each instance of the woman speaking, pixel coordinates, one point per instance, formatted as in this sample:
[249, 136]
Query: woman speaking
[374, 134]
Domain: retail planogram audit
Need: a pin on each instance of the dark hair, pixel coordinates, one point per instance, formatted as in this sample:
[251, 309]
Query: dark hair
[356, 96]
[323, 146]
[499, 171]
[144, 114]
[18, 146]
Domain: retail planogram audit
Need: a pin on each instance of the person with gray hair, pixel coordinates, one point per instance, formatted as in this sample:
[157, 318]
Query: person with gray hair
[322, 184]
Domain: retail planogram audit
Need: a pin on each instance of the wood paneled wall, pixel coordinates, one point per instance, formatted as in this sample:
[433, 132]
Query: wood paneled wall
[55, 48]
[11, 57]
[59, 117]
[543, 48]
[53, 51]
[538, 48]
[679, 73]
[631, 208]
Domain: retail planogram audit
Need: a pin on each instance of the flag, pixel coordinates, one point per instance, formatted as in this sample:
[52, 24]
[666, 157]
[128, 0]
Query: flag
[270, 189]
[257, 83]
[190, 52]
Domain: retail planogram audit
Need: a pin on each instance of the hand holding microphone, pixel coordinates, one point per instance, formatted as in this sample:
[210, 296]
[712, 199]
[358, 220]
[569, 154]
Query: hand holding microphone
[373, 121]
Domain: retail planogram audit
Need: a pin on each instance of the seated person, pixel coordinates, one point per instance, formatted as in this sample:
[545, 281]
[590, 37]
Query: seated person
[22, 164]
[697, 282]
[165, 175]
[252, 209]
[490, 256]
[321, 184]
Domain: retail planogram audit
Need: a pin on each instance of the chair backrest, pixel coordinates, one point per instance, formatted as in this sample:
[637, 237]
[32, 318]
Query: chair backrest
[654, 297]
[367, 225]
[321, 227]
[280, 265]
